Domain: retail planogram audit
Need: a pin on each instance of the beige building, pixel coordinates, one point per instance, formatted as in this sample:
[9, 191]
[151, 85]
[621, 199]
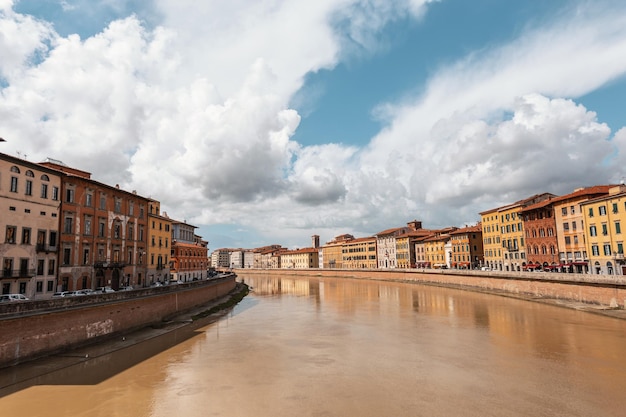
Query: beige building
[30, 207]
[305, 258]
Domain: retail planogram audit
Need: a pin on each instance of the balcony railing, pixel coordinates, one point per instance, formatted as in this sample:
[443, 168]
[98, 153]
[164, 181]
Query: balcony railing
[17, 273]
[42, 247]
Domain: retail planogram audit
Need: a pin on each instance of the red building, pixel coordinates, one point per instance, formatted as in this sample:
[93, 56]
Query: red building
[102, 233]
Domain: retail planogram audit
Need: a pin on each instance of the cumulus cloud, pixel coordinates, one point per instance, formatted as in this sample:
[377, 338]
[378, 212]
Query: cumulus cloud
[194, 111]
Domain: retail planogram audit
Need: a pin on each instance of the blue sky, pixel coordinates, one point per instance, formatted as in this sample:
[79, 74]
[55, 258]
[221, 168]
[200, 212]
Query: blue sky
[284, 119]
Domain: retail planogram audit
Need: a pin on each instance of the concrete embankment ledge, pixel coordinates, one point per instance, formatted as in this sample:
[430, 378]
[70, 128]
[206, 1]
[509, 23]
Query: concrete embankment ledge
[600, 294]
[31, 330]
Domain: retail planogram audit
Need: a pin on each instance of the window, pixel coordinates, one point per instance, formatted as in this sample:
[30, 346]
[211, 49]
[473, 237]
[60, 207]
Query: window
[594, 250]
[116, 230]
[41, 238]
[618, 228]
[40, 266]
[573, 209]
[53, 238]
[67, 256]
[567, 240]
[130, 231]
[10, 234]
[44, 190]
[101, 228]
[14, 184]
[620, 248]
[592, 231]
[50, 286]
[55, 193]
[69, 195]
[604, 230]
[614, 208]
[51, 266]
[103, 202]
[88, 199]
[29, 187]
[573, 225]
[118, 205]
[25, 235]
[602, 210]
[85, 256]
[140, 232]
[67, 225]
[131, 208]
[564, 211]
[88, 225]
[607, 249]
[576, 240]
[590, 211]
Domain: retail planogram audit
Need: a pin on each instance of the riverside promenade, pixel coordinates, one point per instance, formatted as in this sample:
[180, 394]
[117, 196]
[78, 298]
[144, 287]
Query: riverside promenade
[600, 294]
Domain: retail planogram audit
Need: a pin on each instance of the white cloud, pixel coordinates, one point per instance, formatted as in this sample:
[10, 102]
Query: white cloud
[194, 113]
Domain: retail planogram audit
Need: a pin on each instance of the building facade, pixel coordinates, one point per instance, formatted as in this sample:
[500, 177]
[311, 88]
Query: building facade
[159, 244]
[467, 247]
[102, 233]
[603, 218]
[570, 227]
[29, 203]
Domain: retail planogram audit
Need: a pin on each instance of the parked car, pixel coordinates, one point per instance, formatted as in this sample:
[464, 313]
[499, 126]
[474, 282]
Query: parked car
[13, 297]
[62, 294]
[104, 290]
[126, 288]
[156, 284]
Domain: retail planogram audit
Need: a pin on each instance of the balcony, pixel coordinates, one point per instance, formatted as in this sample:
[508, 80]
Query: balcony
[42, 247]
[17, 273]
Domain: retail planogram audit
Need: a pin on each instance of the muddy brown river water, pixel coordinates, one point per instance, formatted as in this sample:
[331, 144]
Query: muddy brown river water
[340, 347]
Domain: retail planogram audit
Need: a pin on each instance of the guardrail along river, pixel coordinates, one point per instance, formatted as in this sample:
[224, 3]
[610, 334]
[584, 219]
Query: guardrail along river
[342, 347]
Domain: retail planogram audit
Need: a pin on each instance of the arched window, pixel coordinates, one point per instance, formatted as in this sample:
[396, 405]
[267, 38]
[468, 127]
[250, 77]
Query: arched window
[544, 250]
[15, 169]
[44, 177]
[29, 173]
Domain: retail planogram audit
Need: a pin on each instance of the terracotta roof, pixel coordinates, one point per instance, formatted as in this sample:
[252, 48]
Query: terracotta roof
[590, 192]
[469, 229]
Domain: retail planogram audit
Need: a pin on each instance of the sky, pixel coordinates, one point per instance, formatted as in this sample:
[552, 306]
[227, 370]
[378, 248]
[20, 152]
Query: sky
[269, 121]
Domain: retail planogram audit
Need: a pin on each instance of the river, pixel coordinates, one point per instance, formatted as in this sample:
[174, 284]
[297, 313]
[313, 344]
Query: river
[341, 347]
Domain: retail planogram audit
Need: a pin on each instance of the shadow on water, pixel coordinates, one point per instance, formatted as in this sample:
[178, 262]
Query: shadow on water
[93, 364]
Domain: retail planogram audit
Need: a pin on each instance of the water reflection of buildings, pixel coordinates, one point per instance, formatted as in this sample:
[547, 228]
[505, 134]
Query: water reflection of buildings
[547, 331]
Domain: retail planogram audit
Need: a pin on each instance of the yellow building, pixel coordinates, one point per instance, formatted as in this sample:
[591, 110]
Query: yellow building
[159, 244]
[359, 253]
[332, 252]
[570, 227]
[503, 234]
[435, 247]
[492, 248]
[603, 218]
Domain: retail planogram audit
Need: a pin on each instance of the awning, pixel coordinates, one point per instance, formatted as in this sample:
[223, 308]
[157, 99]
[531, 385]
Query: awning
[579, 263]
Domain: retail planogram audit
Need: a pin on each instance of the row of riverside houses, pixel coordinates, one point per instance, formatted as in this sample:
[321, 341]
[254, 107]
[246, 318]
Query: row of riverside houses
[64, 231]
[575, 233]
